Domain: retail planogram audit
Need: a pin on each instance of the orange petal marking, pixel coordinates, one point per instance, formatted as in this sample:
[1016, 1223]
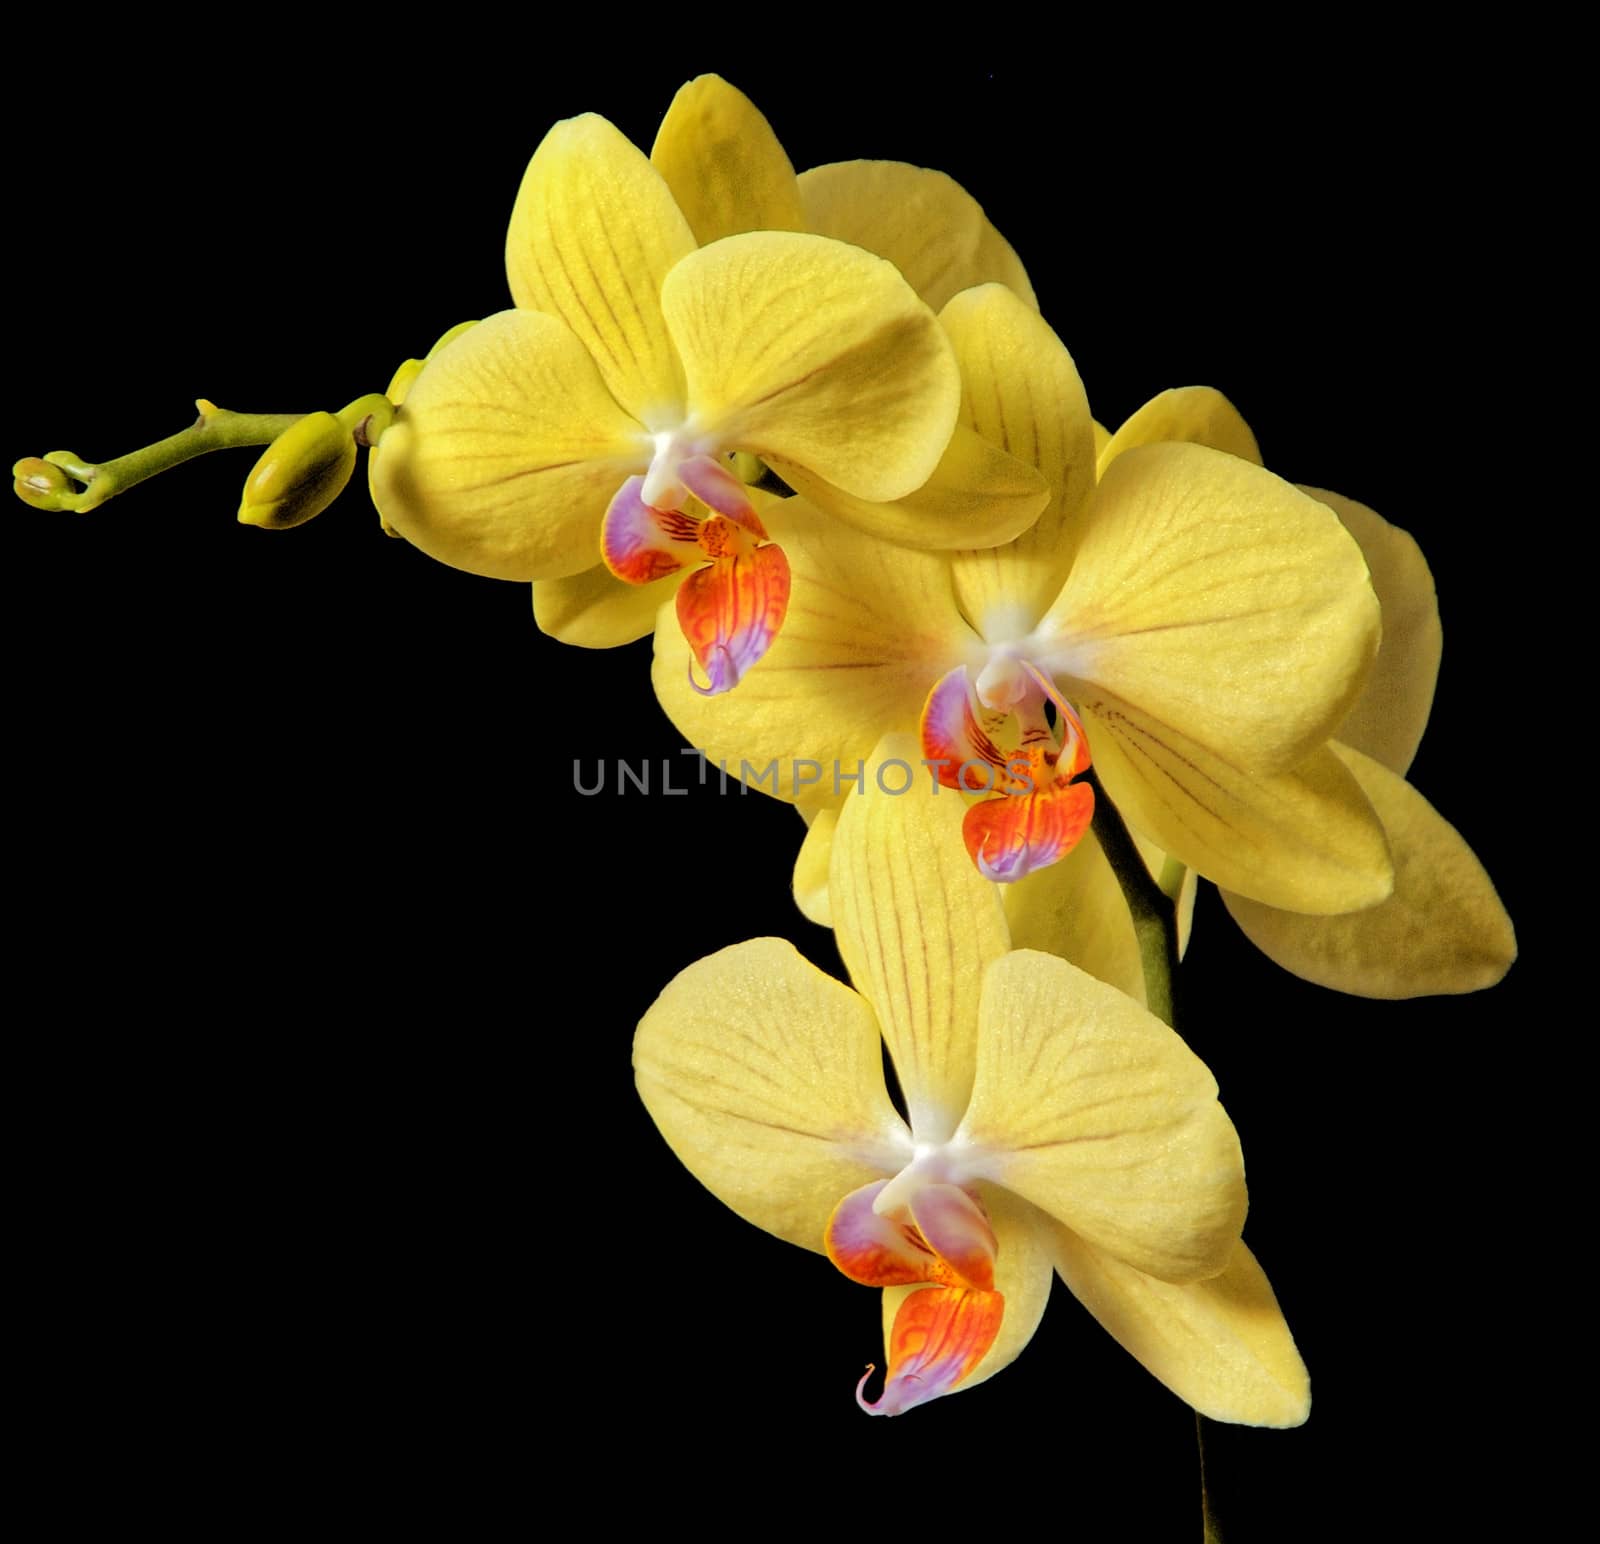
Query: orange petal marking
[640, 543]
[940, 1334]
[958, 1231]
[953, 739]
[948, 1239]
[1011, 836]
[1074, 754]
[731, 611]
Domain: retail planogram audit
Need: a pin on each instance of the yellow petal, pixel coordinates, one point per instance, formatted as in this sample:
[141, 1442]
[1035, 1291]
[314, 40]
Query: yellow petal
[1097, 1113]
[1102, 438]
[869, 629]
[916, 924]
[507, 452]
[1306, 840]
[1213, 600]
[978, 496]
[811, 868]
[1443, 929]
[594, 232]
[1075, 908]
[1392, 711]
[1220, 1345]
[925, 223]
[724, 164]
[1022, 1275]
[1189, 415]
[814, 352]
[1020, 390]
[596, 610]
[766, 1078]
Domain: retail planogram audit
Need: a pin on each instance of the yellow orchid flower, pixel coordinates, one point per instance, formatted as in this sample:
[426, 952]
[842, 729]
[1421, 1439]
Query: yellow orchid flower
[729, 175]
[1443, 929]
[1193, 625]
[1051, 1122]
[593, 421]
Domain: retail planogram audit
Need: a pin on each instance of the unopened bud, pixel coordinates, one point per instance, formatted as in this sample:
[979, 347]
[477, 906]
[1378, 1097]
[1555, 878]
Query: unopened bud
[299, 474]
[747, 468]
[40, 483]
[406, 375]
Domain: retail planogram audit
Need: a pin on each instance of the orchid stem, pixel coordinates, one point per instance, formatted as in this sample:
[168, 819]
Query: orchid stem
[1211, 1531]
[1155, 913]
[1154, 905]
[47, 482]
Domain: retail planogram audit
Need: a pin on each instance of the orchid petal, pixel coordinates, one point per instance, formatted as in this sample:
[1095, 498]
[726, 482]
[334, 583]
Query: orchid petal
[506, 453]
[1392, 711]
[1023, 1272]
[938, 1337]
[868, 627]
[814, 352]
[916, 925]
[596, 610]
[593, 234]
[1189, 415]
[731, 611]
[1220, 1345]
[1021, 392]
[978, 496]
[1076, 909]
[811, 868]
[1217, 604]
[766, 1078]
[925, 223]
[1305, 840]
[724, 164]
[1095, 1111]
[1443, 929]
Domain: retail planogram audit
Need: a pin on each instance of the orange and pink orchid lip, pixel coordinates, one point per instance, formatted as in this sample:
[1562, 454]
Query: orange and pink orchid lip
[940, 1334]
[732, 608]
[940, 1234]
[1037, 814]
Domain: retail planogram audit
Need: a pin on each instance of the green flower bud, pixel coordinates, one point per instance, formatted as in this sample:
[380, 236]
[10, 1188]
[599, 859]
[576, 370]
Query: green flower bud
[299, 474]
[41, 483]
[747, 468]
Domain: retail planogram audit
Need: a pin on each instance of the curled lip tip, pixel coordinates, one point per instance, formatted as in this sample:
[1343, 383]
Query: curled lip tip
[724, 677]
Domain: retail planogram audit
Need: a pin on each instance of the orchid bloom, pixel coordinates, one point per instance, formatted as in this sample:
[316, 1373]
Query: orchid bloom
[593, 421]
[1191, 624]
[1052, 1122]
[1443, 928]
[729, 175]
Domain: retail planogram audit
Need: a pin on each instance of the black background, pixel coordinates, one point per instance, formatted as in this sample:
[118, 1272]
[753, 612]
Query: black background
[332, 1180]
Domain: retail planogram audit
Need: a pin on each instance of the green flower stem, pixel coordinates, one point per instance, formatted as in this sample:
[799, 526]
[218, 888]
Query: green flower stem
[1211, 1532]
[1154, 905]
[1154, 908]
[43, 482]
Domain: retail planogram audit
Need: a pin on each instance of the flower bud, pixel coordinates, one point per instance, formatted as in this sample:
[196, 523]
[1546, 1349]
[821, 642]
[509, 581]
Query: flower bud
[299, 474]
[41, 483]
